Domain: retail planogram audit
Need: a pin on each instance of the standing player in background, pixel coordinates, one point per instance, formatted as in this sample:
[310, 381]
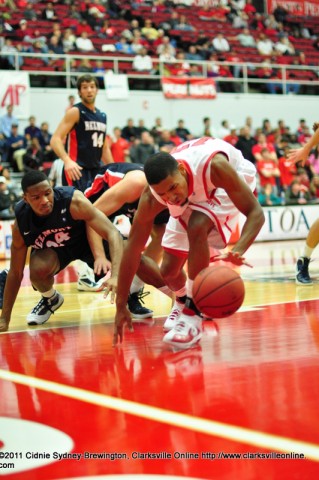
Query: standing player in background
[80, 138]
[80, 142]
[204, 183]
[53, 222]
[117, 192]
[312, 240]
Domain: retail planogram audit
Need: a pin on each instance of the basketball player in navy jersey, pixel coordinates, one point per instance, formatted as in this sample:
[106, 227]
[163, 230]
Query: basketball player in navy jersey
[53, 222]
[80, 142]
[117, 192]
[205, 183]
[80, 138]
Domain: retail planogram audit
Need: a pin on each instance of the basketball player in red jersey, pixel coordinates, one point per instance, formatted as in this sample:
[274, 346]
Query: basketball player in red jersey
[80, 141]
[205, 184]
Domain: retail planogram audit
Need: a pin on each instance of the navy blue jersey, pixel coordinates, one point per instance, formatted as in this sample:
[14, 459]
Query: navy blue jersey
[58, 229]
[86, 139]
[109, 176]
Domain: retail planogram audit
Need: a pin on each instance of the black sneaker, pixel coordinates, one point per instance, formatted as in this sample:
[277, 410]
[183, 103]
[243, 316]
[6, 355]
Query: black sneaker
[3, 279]
[44, 309]
[302, 274]
[134, 304]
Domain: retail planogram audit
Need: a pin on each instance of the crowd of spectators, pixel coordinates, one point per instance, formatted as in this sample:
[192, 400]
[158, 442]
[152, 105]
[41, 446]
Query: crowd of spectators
[279, 180]
[232, 31]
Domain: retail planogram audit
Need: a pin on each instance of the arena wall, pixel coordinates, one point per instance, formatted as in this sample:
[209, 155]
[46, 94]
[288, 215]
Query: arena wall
[50, 104]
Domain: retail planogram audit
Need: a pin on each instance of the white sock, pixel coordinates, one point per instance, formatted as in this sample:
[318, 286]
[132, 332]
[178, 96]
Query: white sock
[136, 284]
[308, 251]
[189, 288]
[49, 293]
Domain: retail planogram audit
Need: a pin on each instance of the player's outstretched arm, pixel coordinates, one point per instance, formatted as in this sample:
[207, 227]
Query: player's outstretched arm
[82, 209]
[226, 177]
[14, 278]
[141, 228]
[297, 154]
[128, 190]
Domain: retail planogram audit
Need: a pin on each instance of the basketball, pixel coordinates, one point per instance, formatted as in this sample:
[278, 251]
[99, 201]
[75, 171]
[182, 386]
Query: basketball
[218, 291]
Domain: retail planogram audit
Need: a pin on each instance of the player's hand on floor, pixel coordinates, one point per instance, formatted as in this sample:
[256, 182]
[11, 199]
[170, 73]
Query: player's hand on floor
[233, 257]
[122, 317]
[110, 287]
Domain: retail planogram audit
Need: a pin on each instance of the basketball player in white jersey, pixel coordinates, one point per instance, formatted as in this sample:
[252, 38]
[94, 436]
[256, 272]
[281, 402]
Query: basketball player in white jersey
[205, 183]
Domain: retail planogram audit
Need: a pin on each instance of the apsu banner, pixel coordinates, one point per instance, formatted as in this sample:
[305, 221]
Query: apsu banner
[296, 7]
[15, 90]
[189, 88]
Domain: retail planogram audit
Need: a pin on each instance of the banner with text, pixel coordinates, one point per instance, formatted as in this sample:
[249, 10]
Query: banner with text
[288, 222]
[189, 88]
[296, 7]
[15, 90]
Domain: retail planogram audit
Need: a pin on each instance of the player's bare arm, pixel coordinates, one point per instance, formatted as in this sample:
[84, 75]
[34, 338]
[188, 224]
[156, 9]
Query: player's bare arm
[127, 190]
[107, 156]
[224, 176]
[82, 209]
[71, 118]
[147, 210]
[302, 153]
[15, 275]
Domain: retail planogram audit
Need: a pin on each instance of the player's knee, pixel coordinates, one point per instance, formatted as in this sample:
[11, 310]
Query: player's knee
[43, 265]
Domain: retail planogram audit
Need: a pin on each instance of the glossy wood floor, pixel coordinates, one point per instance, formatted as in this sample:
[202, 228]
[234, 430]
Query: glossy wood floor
[243, 405]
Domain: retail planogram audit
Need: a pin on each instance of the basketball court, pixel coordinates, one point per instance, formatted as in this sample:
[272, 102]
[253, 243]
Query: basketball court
[242, 405]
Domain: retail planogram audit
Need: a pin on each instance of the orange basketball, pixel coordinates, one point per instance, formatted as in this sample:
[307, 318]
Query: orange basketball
[218, 291]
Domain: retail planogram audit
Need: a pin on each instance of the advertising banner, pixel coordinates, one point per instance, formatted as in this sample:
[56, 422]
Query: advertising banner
[15, 90]
[296, 7]
[189, 88]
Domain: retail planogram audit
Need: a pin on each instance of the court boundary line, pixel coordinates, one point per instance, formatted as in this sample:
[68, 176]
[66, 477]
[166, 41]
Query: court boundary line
[232, 433]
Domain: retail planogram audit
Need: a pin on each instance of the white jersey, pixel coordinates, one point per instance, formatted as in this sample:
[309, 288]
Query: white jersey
[196, 156]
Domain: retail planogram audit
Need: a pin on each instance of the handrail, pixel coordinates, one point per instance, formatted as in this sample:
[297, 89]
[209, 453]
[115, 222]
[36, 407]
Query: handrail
[160, 69]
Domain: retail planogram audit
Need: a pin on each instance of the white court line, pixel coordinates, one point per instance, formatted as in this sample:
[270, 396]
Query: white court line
[180, 420]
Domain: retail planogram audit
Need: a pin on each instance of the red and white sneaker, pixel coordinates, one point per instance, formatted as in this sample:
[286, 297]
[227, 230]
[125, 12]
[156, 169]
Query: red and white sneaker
[186, 332]
[174, 315]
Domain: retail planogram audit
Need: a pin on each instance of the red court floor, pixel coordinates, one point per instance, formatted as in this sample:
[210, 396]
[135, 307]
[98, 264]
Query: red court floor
[242, 405]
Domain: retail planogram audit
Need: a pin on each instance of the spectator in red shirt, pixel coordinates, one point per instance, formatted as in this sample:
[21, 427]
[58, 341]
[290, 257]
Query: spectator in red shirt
[232, 138]
[119, 146]
[287, 169]
[261, 145]
[22, 30]
[267, 169]
[83, 26]
[249, 8]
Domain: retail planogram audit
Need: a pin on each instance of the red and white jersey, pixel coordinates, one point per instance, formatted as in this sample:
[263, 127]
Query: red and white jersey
[196, 156]
[203, 196]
